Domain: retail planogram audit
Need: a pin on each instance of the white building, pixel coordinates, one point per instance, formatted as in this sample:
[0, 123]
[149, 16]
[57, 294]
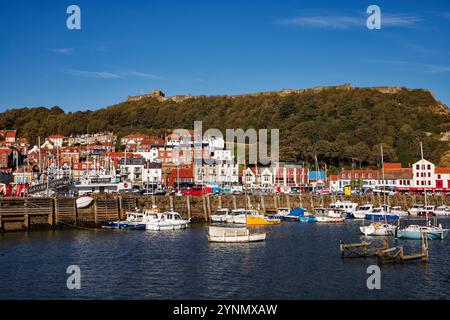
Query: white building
[423, 175]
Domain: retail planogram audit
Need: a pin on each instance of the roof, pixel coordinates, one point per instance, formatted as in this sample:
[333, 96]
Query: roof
[56, 136]
[136, 136]
[334, 177]
[392, 165]
[442, 170]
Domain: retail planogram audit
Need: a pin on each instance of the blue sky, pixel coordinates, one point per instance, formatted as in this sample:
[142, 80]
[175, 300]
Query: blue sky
[215, 47]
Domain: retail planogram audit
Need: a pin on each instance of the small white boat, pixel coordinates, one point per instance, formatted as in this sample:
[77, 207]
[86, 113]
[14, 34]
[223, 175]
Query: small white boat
[414, 210]
[325, 215]
[230, 235]
[170, 220]
[84, 202]
[415, 232]
[378, 229]
[324, 219]
[220, 215]
[442, 211]
[347, 207]
[361, 211]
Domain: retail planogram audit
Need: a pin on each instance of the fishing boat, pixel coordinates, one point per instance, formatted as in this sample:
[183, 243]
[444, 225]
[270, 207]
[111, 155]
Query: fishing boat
[345, 206]
[220, 215]
[307, 219]
[414, 210]
[135, 220]
[414, 232]
[254, 218]
[84, 202]
[378, 229]
[442, 211]
[361, 211]
[170, 220]
[233, 235]
[398, 210]
[236, 216]
[326, 215]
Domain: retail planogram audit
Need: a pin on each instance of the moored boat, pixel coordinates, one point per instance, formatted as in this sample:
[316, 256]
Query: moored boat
[254, 218]
[442, 211]
[361, 211]
[84, 202]
[414, 210]
[170, 220]
[233, 235]
[382, 213]
[220, 215]
[415, 232]
[378, 229]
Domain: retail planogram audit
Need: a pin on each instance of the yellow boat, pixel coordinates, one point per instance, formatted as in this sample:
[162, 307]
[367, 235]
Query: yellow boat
[256, 219]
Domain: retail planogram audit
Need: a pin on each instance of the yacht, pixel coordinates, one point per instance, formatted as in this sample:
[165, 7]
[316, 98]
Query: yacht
[170, 220]
[414, 210]
[378, 229]
[427, 211]
[382, 213]
[361, 211]
[346, 206]
[442, 211]
[220, 215]
[236, 216]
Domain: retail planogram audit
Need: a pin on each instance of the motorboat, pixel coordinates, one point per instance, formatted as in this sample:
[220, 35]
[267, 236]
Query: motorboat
[220, 215]
[382, 213]
[282, 213]
[135, 220]
[233, 235]
[398, 210]
[84, 202]
[414, 210]
[415, 232]
[326, 215]
[427, 211]
[295, 214]
[169, 220]
[361, 211]
[345, 206]
[254, 218]
[442, 211]
[378, 229]
[236, 216]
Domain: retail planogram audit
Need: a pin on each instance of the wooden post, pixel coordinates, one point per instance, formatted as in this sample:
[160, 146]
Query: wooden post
[288, 202]
[188, 203]
[220, 201]
[205, 211]
[261, 199]
[208, 204]
[26, 221]
[171, 202]
[51, 213]
[275, 202]
[120, 200]
[55, 199]
[95, 212]
[76, 211]
[234, 202]
[249, 202]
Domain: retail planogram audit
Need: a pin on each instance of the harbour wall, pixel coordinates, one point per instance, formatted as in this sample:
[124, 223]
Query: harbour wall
[24, 214]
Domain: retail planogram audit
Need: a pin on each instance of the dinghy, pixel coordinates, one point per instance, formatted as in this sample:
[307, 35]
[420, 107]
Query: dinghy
[84, 202]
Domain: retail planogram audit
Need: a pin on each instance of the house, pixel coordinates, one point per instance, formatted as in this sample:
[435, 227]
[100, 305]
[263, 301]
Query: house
[132, 170]
[181, 177]
[135, 138]
[218, 173]
[442, 176]
[4, 158]
[152, 173]
[423, 176]
[57, 140]
[9, 135]
[258, 178]
[288, 176]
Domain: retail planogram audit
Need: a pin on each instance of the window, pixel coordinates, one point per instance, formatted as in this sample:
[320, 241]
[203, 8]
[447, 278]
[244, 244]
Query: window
[429, 167]
[417, 167]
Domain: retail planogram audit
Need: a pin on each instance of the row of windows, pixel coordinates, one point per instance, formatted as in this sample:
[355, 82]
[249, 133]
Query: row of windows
[356, 175]
[423, 174]
[428, 167]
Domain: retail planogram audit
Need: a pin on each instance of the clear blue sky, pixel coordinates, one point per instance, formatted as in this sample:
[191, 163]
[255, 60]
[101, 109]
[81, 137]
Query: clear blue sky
[215, 47]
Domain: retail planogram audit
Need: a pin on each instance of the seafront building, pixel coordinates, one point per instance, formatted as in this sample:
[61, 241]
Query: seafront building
[181, 160]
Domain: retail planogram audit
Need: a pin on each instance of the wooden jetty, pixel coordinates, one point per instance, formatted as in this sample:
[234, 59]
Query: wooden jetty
[385, 254]
[360, 250]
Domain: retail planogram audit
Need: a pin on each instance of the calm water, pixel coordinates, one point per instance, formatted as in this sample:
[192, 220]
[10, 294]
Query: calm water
[297, 261]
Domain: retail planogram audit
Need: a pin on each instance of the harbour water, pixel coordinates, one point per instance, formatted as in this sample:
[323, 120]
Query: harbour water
[297, 261]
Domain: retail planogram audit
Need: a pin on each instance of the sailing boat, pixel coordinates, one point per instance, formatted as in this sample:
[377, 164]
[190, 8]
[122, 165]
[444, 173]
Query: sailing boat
[414, 232]
[377, 228]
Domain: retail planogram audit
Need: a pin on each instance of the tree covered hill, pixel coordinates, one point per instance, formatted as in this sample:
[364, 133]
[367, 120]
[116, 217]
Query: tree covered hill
[339, 125]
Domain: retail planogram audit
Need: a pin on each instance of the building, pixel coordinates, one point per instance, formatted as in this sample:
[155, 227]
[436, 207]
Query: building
[152, 173]
[57, 140]
[289, 176]
[132, 170]
[4, 158]
[9, 135]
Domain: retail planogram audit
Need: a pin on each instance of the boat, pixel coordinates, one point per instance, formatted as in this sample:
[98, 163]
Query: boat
[414, 232]
[254, 218]
[295, 214]
[378, 229]
[382, 213]
[220, 215]
[282, 213]
[135, 220]
[326, 215]
[347, 207]
[233, 235]
[307, 219]
[84, 202]
[442, 211]
[414, 210]
[236, 216]
[361, 211]
[114, 224]
[169, 220]
[426, 211]
[398, 210]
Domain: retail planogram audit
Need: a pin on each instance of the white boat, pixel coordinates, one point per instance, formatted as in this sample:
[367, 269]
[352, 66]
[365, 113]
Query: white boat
[347, 207]
[230, 235]
[237, 216]
[84, 202]
[282, 213]
[220, 215]
[382, 213]
[324, 219]
[414, 210]
[378, 229]
[415, 232]
[442, 211]
[398, 210]
[325, 215]
[361, 211]
[170, 220]
[426, 211]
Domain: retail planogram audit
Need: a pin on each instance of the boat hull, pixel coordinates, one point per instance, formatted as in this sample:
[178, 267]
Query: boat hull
[238, 239]
[371, 216]
[374, 230]
[417, 235]
[162, 227]
[307, 219]
[329, 220]
[261, 221]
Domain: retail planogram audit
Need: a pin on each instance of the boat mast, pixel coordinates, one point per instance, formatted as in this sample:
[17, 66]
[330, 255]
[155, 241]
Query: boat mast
[384, 183]
[424, 187]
